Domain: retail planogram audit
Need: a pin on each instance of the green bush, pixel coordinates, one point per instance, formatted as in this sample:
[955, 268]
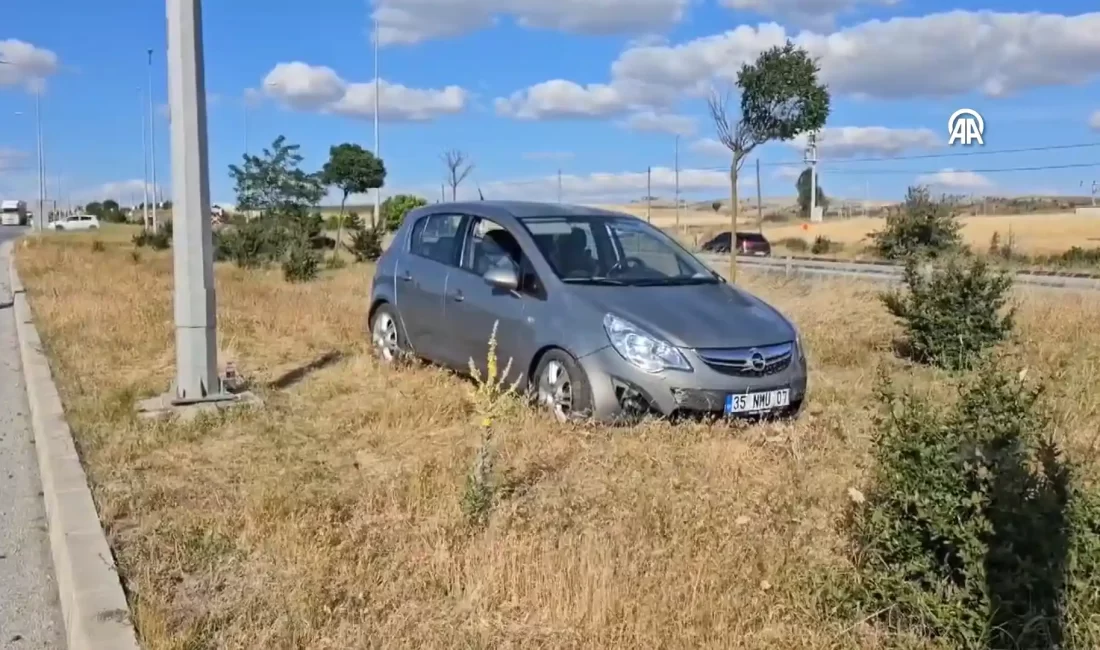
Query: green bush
[973, 529]
[794, 244]
[160, 239]
[923, 226]
[302, 263]
[366, 244]
[396, 207]
[354, 222]
[252, 243]
[953, 314]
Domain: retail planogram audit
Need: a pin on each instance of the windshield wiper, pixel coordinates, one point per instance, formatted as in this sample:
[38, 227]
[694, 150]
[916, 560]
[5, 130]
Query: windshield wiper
[600, 281]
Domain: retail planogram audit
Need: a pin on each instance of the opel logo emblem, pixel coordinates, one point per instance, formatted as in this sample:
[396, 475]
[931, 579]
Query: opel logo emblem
[757, 361]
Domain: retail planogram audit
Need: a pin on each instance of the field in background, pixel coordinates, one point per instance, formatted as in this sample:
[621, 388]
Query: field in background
[332, 518]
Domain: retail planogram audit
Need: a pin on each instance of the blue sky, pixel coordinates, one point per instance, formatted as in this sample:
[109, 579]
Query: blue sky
[530, 87]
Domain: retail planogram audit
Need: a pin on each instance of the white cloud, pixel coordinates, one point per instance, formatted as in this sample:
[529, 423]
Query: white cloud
[125, 192]
[937, 55]
[26, 65]
[1094, 121]
[820, 14]
[548, 155]
[710, 147]
[304, 87]
[604, 186]
[652, 122]
[561, 98]
[852, 141]
[952, 180]
[787, 172]
[406, 22]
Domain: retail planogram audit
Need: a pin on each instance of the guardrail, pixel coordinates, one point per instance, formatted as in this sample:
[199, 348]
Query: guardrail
[885, 272]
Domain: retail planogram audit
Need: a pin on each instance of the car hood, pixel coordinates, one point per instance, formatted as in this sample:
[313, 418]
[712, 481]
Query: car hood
[694, 316]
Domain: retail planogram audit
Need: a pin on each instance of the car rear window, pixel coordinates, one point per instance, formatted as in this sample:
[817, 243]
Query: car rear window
[754, 237]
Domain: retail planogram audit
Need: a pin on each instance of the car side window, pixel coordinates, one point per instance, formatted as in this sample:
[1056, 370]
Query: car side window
[490, 245]
[436, 237]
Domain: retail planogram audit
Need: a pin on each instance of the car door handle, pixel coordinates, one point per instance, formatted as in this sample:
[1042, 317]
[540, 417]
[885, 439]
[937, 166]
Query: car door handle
[457, 296]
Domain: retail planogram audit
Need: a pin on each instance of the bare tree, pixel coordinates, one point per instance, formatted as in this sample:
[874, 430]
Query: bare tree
[458, 168]
[734, 136]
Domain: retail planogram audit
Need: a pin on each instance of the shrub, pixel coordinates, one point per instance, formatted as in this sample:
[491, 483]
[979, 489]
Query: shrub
[366, 244]
[354, 222]
[823, 245]
[795, 244]
[716, 205]
[923, 226]
[302, 263]
[953, 314]
[97, 246]
[973, 529]
[396, 207]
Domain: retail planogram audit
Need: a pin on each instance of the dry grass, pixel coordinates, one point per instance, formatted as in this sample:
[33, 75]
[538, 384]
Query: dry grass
[1035, 234]
[332, 518]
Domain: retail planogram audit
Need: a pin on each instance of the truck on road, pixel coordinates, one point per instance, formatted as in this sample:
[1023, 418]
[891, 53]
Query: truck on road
[13, 213]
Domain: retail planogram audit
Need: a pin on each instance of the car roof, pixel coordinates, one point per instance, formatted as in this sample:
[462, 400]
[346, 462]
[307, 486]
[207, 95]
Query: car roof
[519, 210]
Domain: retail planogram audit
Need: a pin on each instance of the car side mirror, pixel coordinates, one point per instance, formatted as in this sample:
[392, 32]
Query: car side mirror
[502, 278]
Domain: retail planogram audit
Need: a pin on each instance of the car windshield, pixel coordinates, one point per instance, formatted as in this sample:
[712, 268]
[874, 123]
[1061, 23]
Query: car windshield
[614, 251]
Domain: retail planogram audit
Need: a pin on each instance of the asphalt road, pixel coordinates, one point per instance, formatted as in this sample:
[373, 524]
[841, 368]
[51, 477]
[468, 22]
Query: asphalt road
[30, 615]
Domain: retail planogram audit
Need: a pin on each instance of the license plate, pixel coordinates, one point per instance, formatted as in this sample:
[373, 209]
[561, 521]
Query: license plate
[758, 402]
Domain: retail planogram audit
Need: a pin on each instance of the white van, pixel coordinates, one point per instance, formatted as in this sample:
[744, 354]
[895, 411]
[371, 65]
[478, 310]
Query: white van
[13, 213]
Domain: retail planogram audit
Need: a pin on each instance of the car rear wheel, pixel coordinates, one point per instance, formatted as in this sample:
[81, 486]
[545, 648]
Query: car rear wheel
[561, 387]
[389, 345]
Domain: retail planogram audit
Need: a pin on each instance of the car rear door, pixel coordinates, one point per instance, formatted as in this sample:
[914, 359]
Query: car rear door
[422, 274]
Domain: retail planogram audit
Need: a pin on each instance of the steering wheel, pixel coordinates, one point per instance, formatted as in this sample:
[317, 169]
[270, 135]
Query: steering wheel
[627, 264]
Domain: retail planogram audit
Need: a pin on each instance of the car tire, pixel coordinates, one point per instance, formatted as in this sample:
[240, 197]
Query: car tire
[386, 336]
[561, 386]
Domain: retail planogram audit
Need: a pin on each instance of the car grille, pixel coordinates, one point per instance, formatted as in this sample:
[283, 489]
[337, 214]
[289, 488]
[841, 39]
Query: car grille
[749, 362]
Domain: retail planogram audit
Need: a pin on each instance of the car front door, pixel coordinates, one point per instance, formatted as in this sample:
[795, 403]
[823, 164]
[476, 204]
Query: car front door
[422, 274]
[472, 306]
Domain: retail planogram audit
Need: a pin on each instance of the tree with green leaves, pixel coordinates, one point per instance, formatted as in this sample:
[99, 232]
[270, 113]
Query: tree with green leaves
[781, 98]
[95, 208]
[396, 207]
[273, 185]
[803, 186]
[353, 170]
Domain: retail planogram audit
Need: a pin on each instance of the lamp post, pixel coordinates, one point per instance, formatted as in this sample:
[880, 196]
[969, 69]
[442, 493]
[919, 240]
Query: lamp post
[377, 104]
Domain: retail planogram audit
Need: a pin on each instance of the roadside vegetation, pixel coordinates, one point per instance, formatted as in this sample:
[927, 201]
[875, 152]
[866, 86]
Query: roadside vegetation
[939, 490]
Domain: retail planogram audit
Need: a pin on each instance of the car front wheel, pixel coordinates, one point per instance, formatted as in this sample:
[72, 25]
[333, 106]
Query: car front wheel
[561, 387]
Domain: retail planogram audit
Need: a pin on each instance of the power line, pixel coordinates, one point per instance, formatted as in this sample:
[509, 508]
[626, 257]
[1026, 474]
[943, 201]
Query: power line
[992, 170]
[953, 154]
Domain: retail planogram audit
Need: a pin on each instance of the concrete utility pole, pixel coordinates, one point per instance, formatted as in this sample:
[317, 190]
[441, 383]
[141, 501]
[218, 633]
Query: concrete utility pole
[377, 105]
[759, 201]
[40, 214]
[676, 166]
[811, 160]
[648, 194]
[153, 135]
[197, 377]
[145, 164]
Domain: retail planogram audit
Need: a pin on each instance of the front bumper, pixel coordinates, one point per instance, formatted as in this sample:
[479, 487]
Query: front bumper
[621, 391]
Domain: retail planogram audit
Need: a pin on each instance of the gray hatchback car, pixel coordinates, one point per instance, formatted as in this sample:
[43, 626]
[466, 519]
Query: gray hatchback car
[601, 314]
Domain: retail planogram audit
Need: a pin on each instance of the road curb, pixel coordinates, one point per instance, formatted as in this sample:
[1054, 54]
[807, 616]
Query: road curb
[93, 604]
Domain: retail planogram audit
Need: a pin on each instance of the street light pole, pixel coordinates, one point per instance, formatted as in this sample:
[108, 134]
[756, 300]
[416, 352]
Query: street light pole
[145, 163]
[197, 379]
[40, 217]
[153, 135]
[377, 104]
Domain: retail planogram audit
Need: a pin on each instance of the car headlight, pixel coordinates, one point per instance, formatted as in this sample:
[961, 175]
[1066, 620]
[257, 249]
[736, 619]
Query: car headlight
[798, 343]
[643, 350]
